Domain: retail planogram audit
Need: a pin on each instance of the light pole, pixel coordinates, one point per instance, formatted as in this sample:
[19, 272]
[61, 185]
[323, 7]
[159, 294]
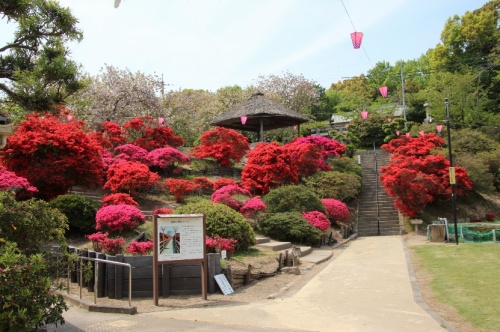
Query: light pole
[451, 171]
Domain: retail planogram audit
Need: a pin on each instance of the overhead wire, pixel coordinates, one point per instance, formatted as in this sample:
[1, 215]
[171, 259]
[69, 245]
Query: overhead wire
[349, 16]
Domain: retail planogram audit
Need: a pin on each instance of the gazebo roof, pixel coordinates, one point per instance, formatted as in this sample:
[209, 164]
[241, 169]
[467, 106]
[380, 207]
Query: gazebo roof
[257, 108]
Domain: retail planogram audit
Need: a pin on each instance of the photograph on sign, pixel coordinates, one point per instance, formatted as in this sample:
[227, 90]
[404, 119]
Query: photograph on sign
[180, 237]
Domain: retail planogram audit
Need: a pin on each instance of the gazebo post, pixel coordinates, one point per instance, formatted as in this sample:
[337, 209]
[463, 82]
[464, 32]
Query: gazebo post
[261, 132]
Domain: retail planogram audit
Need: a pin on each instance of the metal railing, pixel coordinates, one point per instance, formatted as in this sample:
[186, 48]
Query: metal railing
[96, 275]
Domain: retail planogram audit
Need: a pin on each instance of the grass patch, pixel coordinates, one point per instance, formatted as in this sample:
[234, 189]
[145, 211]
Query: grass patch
[250, 252]
[466, 277]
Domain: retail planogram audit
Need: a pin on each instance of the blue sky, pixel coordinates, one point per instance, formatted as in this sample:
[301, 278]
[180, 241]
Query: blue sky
[209, 44]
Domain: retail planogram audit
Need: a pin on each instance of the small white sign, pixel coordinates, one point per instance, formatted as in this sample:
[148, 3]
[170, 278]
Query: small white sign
[224, 285]
[223, 254]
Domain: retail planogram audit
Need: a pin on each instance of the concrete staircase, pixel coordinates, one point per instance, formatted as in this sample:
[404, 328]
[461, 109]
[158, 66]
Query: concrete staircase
[308, 255]
[372, 219]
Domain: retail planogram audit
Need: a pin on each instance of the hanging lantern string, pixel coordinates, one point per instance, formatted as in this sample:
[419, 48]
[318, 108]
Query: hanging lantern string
[349, 16]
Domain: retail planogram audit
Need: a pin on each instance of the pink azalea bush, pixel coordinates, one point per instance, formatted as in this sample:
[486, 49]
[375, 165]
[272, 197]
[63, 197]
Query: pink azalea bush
[102, 243]
[225, 195]
[336, 210]
[140, 248]
[131, 152]
[166, 157]
[317, 219]
[490, 216]
[20, 185]
[119, 218]
[252, 206]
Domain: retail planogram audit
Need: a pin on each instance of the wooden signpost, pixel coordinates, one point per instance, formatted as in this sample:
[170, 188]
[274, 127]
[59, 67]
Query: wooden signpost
[179, 239]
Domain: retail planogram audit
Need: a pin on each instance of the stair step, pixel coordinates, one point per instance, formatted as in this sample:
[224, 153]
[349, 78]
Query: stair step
[260, 240]
[274, 245]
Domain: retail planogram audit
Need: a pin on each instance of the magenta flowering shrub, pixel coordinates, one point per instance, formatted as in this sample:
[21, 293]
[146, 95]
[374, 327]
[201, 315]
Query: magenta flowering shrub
[119, 218]
[222, 182]
[217, 244]
[116, 199]
[131, 152]
[166, 158]
[328, 146]
[102, 243]
[225, 195]
[490, 216]
[317, 219]
[97, 240]
[336, 210]
[140, 248]
[113, 247]
[252, 206]
[20, 185]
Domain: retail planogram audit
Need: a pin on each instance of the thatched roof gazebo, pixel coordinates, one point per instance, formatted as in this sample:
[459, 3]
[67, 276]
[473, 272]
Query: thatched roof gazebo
[257, 114]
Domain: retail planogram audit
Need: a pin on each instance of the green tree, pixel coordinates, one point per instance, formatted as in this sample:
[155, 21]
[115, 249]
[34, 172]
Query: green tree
[35, 70]
[354, 93]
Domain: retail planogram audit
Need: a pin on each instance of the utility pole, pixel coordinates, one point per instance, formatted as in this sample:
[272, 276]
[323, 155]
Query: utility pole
[451, 171]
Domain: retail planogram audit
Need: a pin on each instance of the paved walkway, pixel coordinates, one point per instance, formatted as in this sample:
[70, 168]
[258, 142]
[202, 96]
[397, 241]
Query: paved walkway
[366, 288]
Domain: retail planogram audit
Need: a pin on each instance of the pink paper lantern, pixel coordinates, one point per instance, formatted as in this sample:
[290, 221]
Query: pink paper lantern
[243, 119]
[407, 135]
[160, 121]
[398, 132]
[383, 91]
[422, 133]
[364, 115]
[389, 119]
[357, 38]
[69, 118]
[439, 128]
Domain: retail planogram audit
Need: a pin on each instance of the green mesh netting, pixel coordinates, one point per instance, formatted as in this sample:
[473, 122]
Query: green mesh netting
[467, 235]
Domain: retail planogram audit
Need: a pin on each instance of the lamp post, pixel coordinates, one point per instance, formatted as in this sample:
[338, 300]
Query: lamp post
[451, 171]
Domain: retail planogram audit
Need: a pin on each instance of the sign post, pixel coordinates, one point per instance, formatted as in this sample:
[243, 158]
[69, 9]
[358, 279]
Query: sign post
[179, 238]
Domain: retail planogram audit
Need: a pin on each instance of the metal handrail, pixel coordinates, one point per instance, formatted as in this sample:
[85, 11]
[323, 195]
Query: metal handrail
[96, 274]
[376, 188]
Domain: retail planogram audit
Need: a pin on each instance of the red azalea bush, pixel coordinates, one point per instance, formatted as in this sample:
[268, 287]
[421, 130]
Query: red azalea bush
[490, 216]
[181, 188]
[53, 155]
[336, 210]
[317, 219]
[144, 132]
[252, 206]
[166, 158]
[226, 146]
[110, 136]
[476, 220]
[217, 244]
[205, 184]
[327, 148]
[162, 211]
[222, 182]
[225, 195]
[10, 181]
[130, 176]
[307, 158]
[116, 199]
[140, 248]
[119, 218]
[269, 166]
[131, 152]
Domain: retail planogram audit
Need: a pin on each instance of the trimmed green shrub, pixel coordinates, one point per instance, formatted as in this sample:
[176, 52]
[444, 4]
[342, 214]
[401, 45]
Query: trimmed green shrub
[290, 226]
[346, 165]
[30, 223]
[292, 198]
[333, 184]
[222, 221]
[26, 298]
[79, 210]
